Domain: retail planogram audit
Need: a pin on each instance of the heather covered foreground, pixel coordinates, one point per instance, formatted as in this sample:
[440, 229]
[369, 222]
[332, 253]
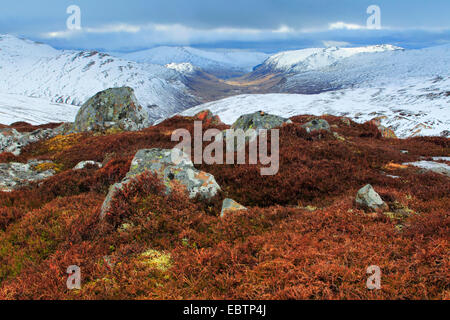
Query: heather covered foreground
[301, 237]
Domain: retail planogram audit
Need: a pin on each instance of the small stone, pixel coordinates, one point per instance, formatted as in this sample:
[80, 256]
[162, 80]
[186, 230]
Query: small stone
[84, 164]
[368, 198]
[229, 205]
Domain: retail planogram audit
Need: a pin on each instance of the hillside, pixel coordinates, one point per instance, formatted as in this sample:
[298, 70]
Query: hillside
[298, 61]
[37, 70]
[302, 237]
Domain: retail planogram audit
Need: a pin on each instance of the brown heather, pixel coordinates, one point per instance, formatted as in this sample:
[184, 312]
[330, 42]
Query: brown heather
[302, 237]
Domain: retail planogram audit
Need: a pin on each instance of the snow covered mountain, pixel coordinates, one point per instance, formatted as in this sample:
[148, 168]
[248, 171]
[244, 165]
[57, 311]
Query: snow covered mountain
[37, 70]
[409, 88]
[223, 63]
[411, 108]
[314, 58]
[369, 70]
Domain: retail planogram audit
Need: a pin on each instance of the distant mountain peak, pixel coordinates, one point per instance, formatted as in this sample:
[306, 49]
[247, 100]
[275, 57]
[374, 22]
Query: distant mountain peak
[315, 58]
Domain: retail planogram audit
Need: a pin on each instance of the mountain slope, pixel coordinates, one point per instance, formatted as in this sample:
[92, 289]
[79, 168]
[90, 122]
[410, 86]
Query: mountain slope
[314, 58]
[70, 77]
[412, 108]
[223, 63]
[369, 70]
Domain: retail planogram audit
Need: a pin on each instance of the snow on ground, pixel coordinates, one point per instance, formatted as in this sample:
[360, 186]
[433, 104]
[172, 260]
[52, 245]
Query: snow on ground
[15, 108]
[413, 108]
[437, 167]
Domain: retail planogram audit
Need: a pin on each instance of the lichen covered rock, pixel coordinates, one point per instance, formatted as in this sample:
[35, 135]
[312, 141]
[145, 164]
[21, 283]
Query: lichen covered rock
[170, 166]
[259, 120]
[15, 175]
[368, 198]
[316, 125]
[115, 108]
[13, 141]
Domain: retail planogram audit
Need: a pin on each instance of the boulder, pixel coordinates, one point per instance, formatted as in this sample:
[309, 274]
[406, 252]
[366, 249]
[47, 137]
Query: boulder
[229, 205]
[115, 108]
[256, 121]
[316, 125]
[368, 198]
[181, 170]
[259, 120]
[84, 164]
[15, 175]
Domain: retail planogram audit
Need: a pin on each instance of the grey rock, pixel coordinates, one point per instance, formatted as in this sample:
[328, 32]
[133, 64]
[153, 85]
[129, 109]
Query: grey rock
[229, 205]
[251, 125]
[13, 141]
[259, 120]
[316, 125]
[115, 108]
[368, 198]
[15, 175]
[179, 169]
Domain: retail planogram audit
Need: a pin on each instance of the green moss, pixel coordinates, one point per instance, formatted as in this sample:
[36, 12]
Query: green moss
[158, 260]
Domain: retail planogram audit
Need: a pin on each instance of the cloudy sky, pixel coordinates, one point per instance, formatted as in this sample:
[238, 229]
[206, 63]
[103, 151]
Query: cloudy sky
[267, 25]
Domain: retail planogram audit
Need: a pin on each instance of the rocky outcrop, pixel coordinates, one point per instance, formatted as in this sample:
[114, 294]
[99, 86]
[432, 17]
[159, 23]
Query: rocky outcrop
[317, 125]
[368, 198]
[229, 205]
[14, 175]
[13, 141]
[180, 169]
[115, 108]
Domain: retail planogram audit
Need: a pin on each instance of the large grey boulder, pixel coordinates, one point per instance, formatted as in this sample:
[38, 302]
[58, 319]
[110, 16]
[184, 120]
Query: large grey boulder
[170, 169]
[316, 125]
[15, 175]
[368, 198]
[115, 108]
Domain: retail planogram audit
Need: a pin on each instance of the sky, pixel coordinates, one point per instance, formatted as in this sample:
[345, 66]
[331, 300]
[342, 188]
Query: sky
[264, 25]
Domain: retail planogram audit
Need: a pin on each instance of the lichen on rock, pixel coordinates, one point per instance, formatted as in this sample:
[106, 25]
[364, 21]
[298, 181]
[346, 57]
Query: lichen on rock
[114, 108]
